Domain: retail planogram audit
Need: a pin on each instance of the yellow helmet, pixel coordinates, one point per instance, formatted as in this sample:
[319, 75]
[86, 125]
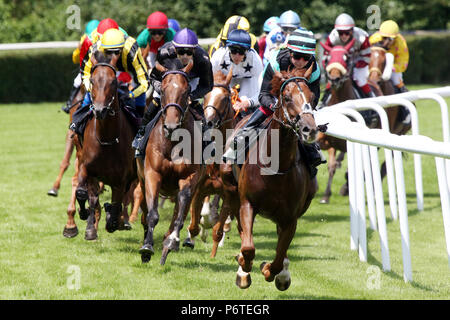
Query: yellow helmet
[234, 22]
[112, 39]
[389, 28]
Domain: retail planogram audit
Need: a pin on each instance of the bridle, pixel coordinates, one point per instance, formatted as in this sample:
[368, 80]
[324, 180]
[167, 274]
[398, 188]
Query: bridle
[176, 105]
[111, 111]
[223, 115]
[294, 124]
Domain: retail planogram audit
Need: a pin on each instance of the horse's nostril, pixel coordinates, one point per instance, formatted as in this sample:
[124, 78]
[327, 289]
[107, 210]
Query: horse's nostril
[209, 123]
[306, 129]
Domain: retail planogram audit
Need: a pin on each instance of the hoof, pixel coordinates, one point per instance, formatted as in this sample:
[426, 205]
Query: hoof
[146, 252]
[243, 279]
[91, 234]
[171, 244]
[324, 201]
[84, 214]
[112, 224]
[344, 190]
[53, 192]
[70, 232]
[164, 255]
[125, 225]
[189, 243]
[282, 284]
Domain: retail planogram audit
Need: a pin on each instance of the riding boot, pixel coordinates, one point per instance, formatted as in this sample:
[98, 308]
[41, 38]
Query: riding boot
[148, 116]
[256, 119]
[73, 93]
[313, 156]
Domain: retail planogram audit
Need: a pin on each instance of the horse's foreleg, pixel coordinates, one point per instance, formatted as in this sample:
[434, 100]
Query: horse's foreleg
[71, 229]
[247, 254]
[344, 188]
[194, 226]
[81, 192]
[151, 190]
[64, 165]
[92, 221]
[272, 270]
[172, 242]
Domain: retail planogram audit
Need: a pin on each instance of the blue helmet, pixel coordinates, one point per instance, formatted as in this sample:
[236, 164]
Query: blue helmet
[185, 38]
[174, 25]
[289, 19]
[90, 26]
[270, 24]
[239, 37]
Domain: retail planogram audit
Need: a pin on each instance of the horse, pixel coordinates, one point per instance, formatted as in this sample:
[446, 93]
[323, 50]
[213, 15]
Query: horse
[342, 89]
[160, 171]
[284, 195]
[107, 154]
[219, 115]
[379, 78]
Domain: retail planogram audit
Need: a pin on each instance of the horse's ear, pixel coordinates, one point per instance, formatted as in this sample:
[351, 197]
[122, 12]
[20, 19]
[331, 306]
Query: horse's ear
[160, 67]
[189, 66]
[229, 76]
[350, 44]
[325, 46]
[309, 72]
[277, 80]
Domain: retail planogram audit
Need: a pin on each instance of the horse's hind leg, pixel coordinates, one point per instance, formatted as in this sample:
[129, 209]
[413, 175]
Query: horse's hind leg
[64, 165]
[331, 171]
[138, 198]
[270, 270]
[92, 221]
[71, 229]
[81, 192]
[196, 209]
[229, 208]
[114, 210]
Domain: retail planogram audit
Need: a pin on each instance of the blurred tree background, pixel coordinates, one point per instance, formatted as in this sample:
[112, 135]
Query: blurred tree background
[46, 20]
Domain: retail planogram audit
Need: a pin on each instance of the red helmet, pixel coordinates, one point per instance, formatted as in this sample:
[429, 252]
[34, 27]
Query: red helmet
[157, 20]
[106, 24]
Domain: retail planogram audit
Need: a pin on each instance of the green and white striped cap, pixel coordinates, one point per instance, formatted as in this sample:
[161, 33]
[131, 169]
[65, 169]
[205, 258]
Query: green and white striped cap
[302, 40]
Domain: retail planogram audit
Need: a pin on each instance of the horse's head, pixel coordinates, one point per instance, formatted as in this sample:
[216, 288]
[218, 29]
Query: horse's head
[294, 109]
[217, 103]
[104, 86]
[175, 91]
[337, 67]
[377, 63]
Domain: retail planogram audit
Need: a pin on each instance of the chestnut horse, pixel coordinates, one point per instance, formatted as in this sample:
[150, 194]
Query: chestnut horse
[160, 171]
[282, 196]
[219, 115]
[107, 154]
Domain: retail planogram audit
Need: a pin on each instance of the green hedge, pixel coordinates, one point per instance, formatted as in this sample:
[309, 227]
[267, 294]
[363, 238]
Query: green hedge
[47, 75]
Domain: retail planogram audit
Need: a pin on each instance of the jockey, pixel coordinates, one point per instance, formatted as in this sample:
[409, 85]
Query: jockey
[344, 31]
[269, 25]
[390, 39]
[246, 65]
[114, 41]
[174, 24]
[234, 22]
[185, 48]
[289, 21]
[299, 52]
[154, 36]
[77, 57]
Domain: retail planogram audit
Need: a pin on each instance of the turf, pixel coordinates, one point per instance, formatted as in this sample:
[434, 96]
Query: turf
[37, 262]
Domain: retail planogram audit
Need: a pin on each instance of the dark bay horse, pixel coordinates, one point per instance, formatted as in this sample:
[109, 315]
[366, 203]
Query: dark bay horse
[219, 115]
[107, 154]
[162, 171]
[282, 196]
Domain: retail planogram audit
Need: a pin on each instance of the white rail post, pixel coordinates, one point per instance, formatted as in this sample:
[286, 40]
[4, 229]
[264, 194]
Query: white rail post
[352, 197]
[445, 202]
[403, 217]
[360, 203]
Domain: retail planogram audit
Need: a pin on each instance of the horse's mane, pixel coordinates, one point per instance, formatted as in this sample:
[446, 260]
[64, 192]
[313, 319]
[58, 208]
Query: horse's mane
[172, 64]
[219, 77]
[280, 77]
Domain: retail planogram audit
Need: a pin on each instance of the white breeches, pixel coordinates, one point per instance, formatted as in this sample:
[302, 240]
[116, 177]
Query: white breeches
[360, 75]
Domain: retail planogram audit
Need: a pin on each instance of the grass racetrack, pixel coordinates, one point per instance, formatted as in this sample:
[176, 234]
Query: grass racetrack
[36, 261]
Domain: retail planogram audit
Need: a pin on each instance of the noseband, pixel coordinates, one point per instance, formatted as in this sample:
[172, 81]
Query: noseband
[306, 107]
[111, 111]
[226, 112]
